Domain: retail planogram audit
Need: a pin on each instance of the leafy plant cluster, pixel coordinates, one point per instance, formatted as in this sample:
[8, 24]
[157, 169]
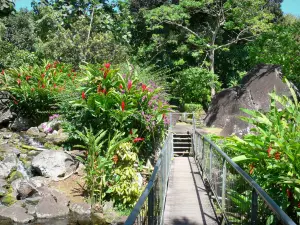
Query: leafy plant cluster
[270, 153]
[126, 119]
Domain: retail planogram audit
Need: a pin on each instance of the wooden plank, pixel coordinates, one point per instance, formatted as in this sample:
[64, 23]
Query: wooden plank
[187, 201]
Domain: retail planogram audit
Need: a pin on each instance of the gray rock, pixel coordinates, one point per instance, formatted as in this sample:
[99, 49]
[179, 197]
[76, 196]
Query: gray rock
[140, 179]
[81, 208]
[8, 164]
[3, 182]
[60, 197]
[6, 116]
[34, 131]
[224, 111]
[49, 208]
[33, 200]
[53, 164]
[57, 137]
[25, 190]
[7, 136]
[21, 124]
[39, 181]
[17, 214]
[2, 191]
[31, 209]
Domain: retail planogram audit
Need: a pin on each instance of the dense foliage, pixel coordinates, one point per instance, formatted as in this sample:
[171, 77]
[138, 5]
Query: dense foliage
[270, 153]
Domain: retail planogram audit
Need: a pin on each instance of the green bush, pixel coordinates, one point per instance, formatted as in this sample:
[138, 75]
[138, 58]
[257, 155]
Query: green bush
[271, 152]
[197, 109]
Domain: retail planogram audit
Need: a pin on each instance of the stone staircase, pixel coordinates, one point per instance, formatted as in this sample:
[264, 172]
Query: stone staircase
[182, 144]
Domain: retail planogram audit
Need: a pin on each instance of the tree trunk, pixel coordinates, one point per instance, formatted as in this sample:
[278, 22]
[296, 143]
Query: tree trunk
[212, 70]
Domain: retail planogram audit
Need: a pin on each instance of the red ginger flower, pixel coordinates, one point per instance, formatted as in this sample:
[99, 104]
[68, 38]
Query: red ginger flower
[115, 158]
[129, 85]
[99, 88]
[19, 82]
[42, 75]
[28, 77]
[144, 87]
[104, 91]
[83, 96]
[277, 155]
[107, 65]
[130, 132]
[2, 72]
[138, 139]
[121, 86]
[269, 151]
[105, 74]
[123, 105]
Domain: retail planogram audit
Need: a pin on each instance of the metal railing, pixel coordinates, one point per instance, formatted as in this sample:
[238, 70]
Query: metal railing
[150, 207]
[240, 198]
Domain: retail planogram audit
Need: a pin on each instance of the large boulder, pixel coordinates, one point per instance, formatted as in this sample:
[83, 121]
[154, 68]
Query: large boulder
[48, 207]
[16, 213]
[6, 115]
[252, 93]
[53, 164]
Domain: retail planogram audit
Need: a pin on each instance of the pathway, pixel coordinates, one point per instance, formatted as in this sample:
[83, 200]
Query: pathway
[187, 201]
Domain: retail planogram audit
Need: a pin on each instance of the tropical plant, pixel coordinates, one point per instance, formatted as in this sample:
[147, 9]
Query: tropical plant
[270, 152]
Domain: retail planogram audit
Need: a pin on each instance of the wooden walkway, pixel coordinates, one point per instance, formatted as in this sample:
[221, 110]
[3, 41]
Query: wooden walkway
[187, 201]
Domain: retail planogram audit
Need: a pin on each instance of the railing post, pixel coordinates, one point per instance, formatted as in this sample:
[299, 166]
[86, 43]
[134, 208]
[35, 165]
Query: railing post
[151, 207]
[224, 190]
[210, 162]
[254, 207]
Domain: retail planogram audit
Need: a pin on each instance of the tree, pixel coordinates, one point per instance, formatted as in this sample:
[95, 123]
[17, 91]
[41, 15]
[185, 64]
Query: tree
[208, 26]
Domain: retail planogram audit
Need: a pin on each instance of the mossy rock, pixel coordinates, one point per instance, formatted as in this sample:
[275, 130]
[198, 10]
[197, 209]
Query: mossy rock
[14, 175]
[52, 146]
[8, 200]
[25, 162]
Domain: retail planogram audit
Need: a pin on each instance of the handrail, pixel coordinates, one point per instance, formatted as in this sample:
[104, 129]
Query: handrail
[150, 205]
[137, 208]
[265, 197]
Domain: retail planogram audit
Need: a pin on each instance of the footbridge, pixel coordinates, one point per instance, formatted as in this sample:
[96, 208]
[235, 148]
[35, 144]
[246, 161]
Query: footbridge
[195, 183]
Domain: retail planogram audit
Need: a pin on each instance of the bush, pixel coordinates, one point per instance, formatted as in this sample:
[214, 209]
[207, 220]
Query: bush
[271, 152]
[194, 108]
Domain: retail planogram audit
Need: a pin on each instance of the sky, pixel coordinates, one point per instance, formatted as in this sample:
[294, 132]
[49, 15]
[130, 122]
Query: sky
[288, 6]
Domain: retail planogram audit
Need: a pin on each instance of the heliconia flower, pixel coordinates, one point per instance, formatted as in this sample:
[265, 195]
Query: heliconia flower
[251, 168]
[130, 132]
[138, 139]
[19, 82]
[107, 65]
[83, 96]
[123, 105]
[99, 88]
[269, 151]
[121, 86]
[277, 155]
[129, 85]
[105, 74]
[144, 87]
[2, 72]
[115, 159]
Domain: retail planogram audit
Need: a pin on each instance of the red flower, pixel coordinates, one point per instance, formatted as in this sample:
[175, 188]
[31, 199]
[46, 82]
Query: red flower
[69, 75]
[19, 82]
[164, 116]
[251, 168]
[121, 86]
[289, 193]
[138, 139]
[54, 85]
[28, 77]
[99, 88]
[115, 159]
[269, 151]
[123, 105]
[2, 72]
[144, 87]
[43, 85]
[277, 155]
[107, 65]
[130, 132]
[43, 75]
[129, 85]
[19, 75]
[83, 96]
[104, 91]
[105, 74]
